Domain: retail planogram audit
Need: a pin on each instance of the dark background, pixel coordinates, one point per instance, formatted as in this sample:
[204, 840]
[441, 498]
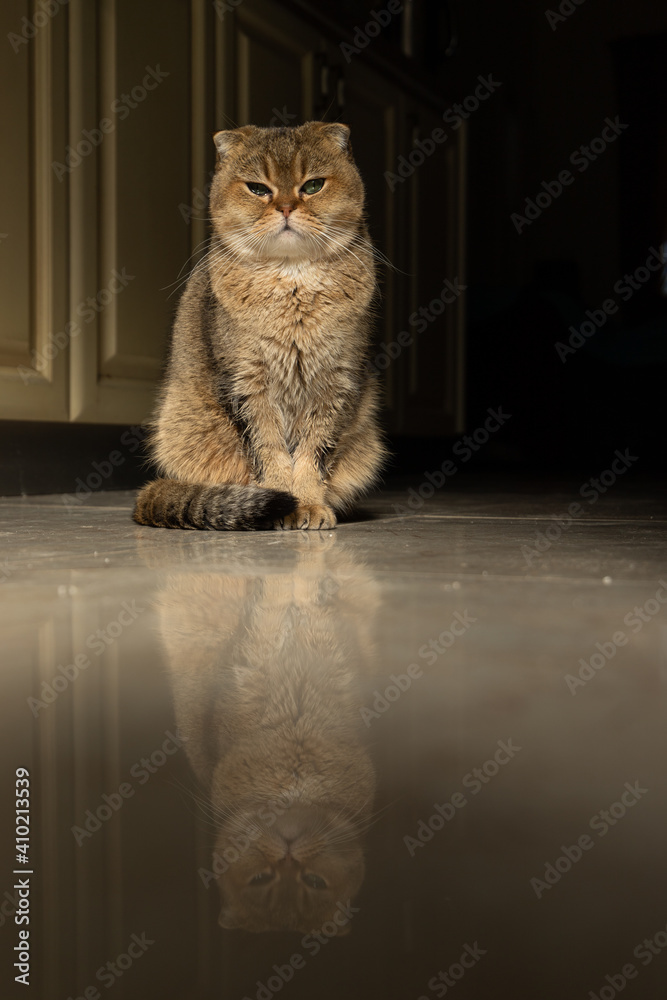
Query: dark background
[527, 290]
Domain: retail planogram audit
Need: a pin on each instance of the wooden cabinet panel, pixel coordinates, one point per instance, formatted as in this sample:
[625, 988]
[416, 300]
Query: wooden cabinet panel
[434, 373]
[274, 58]
[15, 242]
[372, 109]
[33, 240]
[145, 175]
[129, 241]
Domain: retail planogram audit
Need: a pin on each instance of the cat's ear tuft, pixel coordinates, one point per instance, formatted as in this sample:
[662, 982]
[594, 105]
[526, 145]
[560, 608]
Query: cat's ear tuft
[228, 139]
[340, 134]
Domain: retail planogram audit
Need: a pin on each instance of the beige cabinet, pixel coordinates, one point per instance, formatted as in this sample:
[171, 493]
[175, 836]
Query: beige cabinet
[33, 218]
[111, 110]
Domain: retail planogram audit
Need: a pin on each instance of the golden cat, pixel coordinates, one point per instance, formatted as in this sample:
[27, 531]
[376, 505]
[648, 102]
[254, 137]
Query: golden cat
[267, 414]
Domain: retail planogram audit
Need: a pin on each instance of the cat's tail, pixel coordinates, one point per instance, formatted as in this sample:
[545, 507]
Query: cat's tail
[167, 503]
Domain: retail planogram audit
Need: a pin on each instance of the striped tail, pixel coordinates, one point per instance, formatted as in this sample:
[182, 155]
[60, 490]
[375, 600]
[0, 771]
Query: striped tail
[167, 503]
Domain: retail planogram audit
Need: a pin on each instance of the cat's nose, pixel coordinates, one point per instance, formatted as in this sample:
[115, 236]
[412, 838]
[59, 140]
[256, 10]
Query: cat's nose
[286, 209]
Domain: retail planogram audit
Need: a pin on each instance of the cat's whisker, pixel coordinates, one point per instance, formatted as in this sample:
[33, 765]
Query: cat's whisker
[233, 254]
[216, 249]
[366, 244]
[324, 241]
[229, 119]
[368, 247]
[200, 814]
[212, 240]
[338, 244]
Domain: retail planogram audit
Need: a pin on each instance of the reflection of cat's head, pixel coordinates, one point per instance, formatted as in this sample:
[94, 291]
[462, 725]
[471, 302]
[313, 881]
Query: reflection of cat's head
[288, 869]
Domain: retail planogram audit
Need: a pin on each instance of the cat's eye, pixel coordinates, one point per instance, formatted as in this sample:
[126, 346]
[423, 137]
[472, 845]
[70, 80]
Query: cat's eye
[258, 189]
[313, 186]
[313, 881]
[262, 878]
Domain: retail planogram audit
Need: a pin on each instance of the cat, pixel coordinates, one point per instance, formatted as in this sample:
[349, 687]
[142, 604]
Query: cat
[267, 673]
[268, 412]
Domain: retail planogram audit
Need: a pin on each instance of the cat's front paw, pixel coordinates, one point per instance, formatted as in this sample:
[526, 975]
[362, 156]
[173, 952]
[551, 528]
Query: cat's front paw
[315, 516]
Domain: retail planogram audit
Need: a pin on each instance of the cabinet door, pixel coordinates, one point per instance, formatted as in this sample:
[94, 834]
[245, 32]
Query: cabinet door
[267, 65]
[371, 106]
[415, 203]
[34, 337]
[432, 377]
[130, 129]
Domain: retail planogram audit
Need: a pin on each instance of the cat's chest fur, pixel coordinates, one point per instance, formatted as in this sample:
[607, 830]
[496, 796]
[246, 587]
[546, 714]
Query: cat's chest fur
[296, 324]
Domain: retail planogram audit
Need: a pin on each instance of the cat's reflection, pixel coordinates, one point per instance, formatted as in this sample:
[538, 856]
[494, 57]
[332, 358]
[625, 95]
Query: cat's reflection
[267, 671]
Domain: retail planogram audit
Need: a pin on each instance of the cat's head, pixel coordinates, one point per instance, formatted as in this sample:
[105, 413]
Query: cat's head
[286, 193]
[290, 869]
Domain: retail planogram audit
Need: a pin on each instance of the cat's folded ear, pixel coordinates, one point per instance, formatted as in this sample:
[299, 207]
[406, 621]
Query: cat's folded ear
[340, 134]
[229, 139]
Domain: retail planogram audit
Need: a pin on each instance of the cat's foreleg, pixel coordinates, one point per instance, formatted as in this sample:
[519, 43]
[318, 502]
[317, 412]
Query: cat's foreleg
[309, 488]
[308, 484]
[277, 469]
[355, 463]
[270, 456]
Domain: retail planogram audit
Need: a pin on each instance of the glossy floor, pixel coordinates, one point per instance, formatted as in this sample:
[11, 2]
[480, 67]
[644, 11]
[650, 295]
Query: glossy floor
[485, 670]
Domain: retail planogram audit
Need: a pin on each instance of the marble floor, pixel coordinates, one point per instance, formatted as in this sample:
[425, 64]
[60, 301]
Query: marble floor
[418, 756]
